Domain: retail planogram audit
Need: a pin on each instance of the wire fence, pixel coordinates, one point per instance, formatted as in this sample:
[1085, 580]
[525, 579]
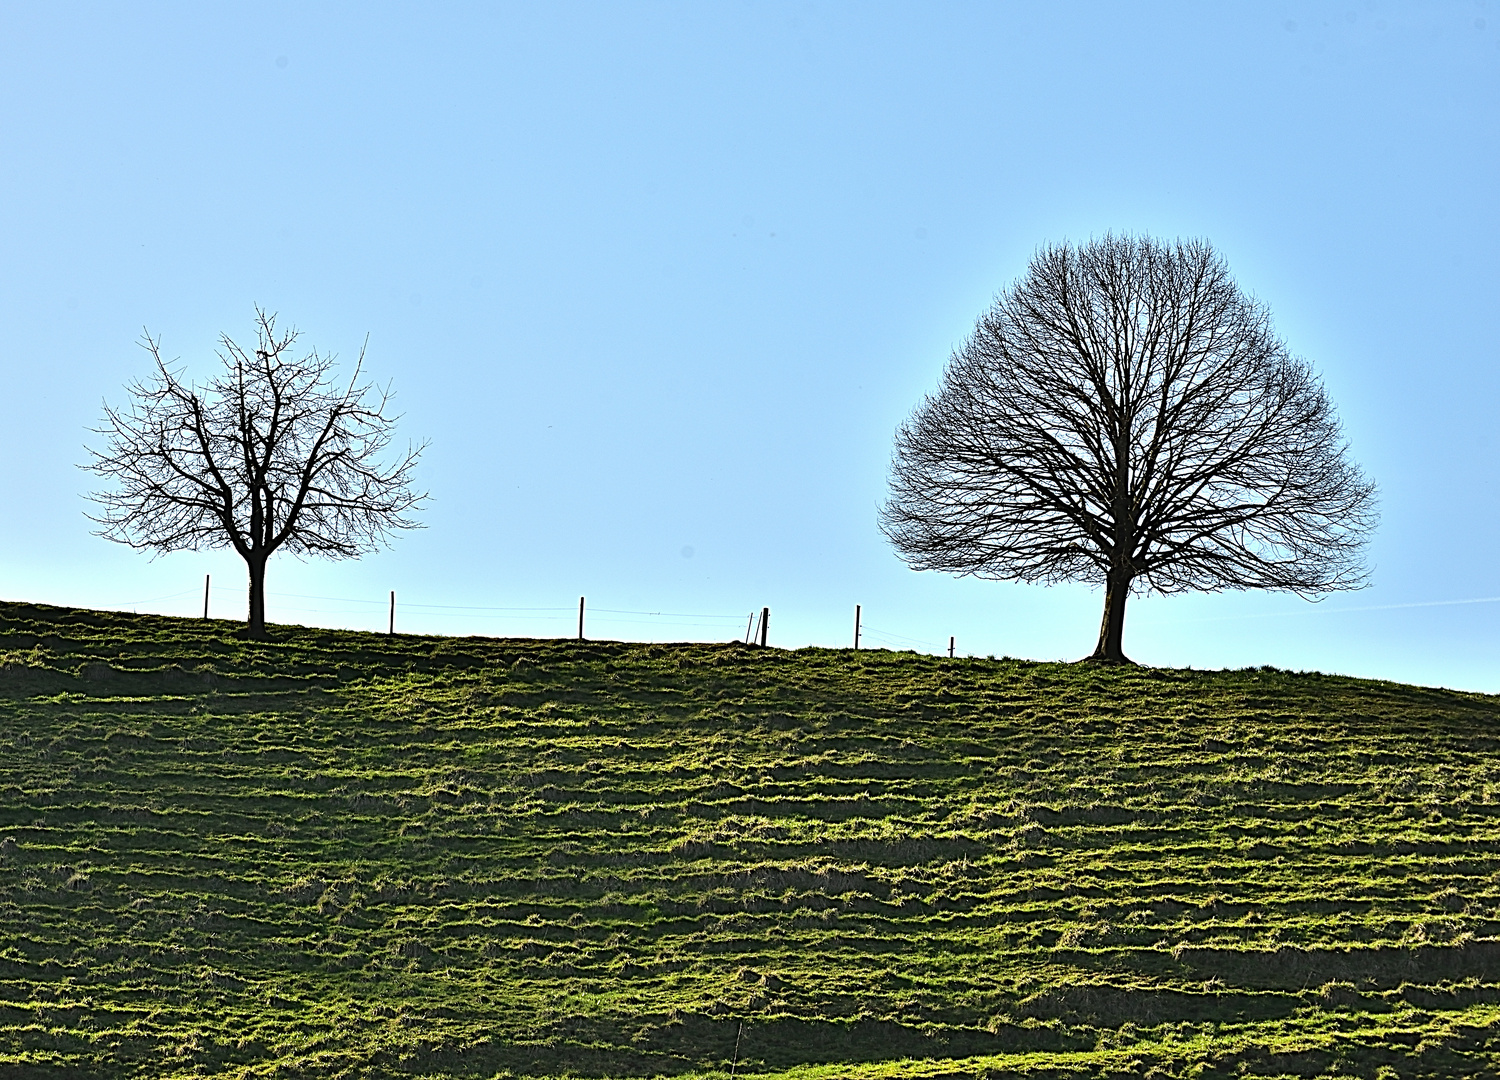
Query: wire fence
[531, 620]
[899, 641]
[618, 623]
[525, 621]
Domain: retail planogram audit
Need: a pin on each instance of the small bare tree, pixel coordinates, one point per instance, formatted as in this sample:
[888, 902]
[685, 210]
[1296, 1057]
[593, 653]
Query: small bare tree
[1124, 415]
[271, 455]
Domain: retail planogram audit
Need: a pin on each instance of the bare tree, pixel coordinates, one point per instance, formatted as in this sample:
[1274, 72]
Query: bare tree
[271, 455]
[1124, 415]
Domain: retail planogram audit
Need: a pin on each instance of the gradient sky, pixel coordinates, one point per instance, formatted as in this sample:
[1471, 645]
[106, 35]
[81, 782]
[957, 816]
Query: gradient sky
[659, 281]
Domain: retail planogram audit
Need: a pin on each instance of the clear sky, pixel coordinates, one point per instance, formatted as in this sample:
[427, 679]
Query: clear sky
[659, 281]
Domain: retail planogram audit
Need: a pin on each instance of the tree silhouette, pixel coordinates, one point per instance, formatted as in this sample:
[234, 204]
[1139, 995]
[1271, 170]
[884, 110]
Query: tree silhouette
[1124, 415]
[271, 455]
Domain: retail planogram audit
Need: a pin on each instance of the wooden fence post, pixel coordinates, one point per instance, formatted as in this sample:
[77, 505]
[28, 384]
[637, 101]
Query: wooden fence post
[391, 629]
[580, 618]
[856, 627]
[765, 624]
[950, 646]
[205, 595]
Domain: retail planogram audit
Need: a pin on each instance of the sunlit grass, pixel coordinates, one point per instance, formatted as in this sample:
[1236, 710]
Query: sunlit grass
[345, 854]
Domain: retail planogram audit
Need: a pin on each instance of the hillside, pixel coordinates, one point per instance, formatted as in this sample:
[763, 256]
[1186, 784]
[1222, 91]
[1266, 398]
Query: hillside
[343, 854]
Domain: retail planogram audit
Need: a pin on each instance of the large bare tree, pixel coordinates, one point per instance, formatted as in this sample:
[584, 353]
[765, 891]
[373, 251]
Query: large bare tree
[270, 455]
[1124, 415]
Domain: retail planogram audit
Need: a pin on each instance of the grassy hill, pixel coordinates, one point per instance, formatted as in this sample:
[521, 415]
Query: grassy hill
[343, 854]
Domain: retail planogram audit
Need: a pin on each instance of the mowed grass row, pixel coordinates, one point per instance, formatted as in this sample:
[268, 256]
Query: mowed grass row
[347, 854]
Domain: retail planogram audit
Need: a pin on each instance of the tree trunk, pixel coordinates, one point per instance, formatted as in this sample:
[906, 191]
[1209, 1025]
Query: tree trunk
[1110, 649]
[257, 626]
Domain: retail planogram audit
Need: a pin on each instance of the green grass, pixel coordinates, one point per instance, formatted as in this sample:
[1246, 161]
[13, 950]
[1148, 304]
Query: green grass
[342, 854]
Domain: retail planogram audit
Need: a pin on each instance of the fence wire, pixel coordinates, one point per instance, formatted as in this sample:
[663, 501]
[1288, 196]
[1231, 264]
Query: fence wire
[561, 620]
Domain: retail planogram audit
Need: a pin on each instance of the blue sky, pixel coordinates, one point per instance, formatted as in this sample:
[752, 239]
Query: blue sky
[659, 280]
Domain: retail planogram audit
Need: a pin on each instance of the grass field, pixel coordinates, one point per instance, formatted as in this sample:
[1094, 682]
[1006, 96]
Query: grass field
[341, 854]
